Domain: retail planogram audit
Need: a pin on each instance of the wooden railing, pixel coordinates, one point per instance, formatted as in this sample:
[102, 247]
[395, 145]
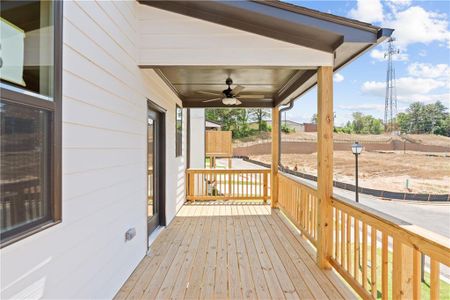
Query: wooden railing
[226, 184]
[374, 252]
[377, 254]
[299, 203]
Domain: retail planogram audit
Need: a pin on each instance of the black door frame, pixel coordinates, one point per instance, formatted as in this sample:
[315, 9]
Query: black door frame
[160, 163]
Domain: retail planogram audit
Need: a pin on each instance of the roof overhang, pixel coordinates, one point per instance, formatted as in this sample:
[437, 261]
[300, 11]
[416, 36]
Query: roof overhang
[345, 38]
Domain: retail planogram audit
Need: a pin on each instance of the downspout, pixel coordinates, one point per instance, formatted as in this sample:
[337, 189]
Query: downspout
[188, 138]
[290, 106]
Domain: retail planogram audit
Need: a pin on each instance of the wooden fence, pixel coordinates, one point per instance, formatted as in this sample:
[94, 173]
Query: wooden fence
[226, 184]
[376, 254]
[218, 144]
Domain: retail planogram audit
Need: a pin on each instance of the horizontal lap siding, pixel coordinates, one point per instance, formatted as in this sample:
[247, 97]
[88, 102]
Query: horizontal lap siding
[104, 162]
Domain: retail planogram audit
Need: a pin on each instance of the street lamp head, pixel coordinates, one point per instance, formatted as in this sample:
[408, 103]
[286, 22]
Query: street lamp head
[357, 148]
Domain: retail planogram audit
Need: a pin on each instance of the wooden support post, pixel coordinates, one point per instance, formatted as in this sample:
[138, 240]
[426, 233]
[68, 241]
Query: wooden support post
[325, 116]
[275, 156]
[190, 193]
[265, 187]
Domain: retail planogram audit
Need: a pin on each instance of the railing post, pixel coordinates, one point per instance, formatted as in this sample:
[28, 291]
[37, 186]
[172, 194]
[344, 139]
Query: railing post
[325, 116]
[265, 187]
[275, 156]
[190, 192]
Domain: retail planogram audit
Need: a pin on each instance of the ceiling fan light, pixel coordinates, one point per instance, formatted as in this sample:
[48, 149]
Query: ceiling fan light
[229, 101]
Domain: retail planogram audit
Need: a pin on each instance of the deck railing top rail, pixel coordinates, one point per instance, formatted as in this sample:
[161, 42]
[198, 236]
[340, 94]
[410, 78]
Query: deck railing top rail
[374, 252]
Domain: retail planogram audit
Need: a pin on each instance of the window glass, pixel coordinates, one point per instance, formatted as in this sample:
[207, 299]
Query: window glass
[24, 167]
[179, 131]
[26, 45]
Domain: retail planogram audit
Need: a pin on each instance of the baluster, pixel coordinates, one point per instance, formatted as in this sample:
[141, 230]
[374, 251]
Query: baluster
[384, 266]
[416, 273]
[336, 233]
[434, 278]
[373, 261]
[364, 255]
[342, 239]
[356, 249]
[349, 240]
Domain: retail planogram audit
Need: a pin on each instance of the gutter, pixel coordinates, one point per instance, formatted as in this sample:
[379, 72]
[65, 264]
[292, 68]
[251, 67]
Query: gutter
[289, 107]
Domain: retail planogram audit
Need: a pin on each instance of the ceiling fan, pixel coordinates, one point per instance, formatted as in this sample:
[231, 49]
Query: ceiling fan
[230, 96]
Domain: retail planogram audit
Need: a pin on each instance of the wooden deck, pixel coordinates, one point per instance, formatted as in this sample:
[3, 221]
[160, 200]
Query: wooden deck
[238, 250]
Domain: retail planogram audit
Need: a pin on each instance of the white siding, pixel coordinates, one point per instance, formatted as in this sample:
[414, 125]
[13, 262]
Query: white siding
[197, 159]
[168, 38]
[104, 163]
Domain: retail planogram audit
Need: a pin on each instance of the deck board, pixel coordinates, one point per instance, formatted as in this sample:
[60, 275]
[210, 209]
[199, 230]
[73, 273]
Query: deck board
[231, 251]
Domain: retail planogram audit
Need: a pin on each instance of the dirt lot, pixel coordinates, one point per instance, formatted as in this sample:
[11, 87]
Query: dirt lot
[425, 172]
[424, 139]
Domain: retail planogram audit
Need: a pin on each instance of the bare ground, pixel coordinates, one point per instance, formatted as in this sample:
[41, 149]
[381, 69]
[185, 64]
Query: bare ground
[426, 172]
[425, 139]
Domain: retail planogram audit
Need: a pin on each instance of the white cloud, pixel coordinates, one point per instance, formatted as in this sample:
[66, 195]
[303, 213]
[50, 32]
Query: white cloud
[367, 11]
[406, 87]
[379, 55]
[338, 77]
[431, 98]
[417, 25]
[362, 107]
[429, 70]
[398, 4]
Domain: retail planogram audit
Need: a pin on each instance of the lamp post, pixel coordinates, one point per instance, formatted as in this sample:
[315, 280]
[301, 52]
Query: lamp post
[356, 149]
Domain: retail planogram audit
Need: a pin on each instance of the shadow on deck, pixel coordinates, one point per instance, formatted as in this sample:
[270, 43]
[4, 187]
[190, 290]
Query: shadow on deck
[231, 250]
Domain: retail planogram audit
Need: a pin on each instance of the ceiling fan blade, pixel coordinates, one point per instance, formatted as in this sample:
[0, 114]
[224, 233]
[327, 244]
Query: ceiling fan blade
[209, 93]
[237, 89]
[211, 100]
[251, 96]
[237, 102]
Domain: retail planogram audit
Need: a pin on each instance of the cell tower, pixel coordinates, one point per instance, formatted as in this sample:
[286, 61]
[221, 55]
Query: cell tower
[390, 103]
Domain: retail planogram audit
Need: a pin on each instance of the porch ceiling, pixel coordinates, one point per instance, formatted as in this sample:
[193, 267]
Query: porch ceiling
[187, 81]
[263, 38]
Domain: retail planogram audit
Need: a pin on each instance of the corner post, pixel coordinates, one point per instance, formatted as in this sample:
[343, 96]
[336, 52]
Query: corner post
[325, 118]
[275, 156]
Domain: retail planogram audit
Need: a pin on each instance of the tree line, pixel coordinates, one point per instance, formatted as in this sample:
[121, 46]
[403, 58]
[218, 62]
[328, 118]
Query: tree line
[425, 118]
[237, 120]
[418, 118]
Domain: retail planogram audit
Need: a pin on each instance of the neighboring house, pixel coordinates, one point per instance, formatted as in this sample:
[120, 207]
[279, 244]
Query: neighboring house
[211, 125]
[94, 98]
[298, 127]
[310, 127]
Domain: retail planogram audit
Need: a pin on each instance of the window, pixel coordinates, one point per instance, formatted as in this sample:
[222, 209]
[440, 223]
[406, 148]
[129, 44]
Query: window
[179, 132]
[30, 117]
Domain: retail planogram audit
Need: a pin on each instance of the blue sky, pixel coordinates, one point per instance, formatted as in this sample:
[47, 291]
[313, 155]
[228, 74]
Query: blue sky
[422, 67]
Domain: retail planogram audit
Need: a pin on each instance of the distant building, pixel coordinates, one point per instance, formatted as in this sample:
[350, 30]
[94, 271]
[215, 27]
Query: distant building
[211, 125]
[296, 126]
[310, 127]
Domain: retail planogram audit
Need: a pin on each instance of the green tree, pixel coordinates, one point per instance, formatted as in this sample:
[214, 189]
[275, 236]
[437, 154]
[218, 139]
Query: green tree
[233, 119]
[421, 118]
[362, 124]
[258, 115]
